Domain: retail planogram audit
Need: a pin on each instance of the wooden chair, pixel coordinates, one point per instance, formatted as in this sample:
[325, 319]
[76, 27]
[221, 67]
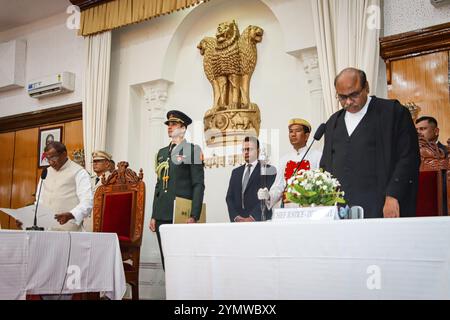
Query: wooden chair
[434, 182]
[119, 206]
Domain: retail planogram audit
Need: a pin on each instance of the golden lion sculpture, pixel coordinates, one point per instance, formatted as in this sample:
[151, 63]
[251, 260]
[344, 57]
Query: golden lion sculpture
[229, 60]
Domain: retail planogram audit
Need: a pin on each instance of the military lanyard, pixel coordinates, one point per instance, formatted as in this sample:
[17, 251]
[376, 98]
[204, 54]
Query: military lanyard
[162, 170]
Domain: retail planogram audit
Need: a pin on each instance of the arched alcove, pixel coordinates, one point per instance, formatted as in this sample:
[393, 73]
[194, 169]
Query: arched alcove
[155, 66]
[279, 84]
[294, 18]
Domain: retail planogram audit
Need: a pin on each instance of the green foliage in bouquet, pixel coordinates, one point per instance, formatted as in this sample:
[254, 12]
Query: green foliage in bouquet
[314, 188]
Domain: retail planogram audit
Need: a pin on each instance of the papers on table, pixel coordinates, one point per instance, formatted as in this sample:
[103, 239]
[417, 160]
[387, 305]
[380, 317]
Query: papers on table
[45, 216]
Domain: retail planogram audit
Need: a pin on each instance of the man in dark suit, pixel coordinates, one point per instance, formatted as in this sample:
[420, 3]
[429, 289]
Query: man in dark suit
[371, 147]
[427, 127]
[180, 173]
[242, 200]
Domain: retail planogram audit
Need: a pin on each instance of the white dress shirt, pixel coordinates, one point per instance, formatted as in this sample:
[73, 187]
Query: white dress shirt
[353, 119]
[313, 156]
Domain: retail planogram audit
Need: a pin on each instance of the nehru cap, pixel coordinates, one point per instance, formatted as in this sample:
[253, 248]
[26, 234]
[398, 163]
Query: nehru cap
[300, 122]
[178, 116]
[101, 155]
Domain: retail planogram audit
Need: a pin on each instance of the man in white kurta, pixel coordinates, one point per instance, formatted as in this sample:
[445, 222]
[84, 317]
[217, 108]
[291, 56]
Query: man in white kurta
[66, 190]
[299, 131]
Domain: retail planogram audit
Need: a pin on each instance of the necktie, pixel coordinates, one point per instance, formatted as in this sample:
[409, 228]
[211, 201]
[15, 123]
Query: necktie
[246, 178]
[97, 180]
[171, 147]
[245, 182]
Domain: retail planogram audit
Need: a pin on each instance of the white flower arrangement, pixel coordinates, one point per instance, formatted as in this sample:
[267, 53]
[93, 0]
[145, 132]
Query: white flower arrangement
[311, 188]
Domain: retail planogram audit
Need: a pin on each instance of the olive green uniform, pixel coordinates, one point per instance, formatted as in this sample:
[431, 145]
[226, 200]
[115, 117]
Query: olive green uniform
[180, 173]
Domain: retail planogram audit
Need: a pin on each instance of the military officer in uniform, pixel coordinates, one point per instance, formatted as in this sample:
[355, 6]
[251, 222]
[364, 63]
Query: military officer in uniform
[180, 173]
[101, 165]
[101, 161]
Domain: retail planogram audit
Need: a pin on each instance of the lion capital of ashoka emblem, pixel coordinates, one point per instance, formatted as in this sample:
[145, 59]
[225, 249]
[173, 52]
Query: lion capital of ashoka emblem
[229, 60]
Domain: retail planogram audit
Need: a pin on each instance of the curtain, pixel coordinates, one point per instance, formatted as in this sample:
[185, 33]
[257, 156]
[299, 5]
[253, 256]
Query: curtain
[118, 13]
[96, 90]
[347, 33]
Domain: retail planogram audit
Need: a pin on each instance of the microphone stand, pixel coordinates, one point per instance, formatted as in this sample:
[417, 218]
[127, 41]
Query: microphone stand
[264, 184]
[35, 227]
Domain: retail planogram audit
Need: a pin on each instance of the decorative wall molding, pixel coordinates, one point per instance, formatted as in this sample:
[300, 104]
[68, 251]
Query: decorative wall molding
[39, 118]
[155, 97]
[310, 60]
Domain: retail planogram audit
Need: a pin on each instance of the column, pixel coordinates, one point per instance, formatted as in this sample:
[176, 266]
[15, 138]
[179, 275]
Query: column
[154, 98]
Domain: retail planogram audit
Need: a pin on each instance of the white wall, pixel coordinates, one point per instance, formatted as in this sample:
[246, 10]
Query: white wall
[139, 55]
[406, 15]
[278, 86]
[165, 48]
[51, 48]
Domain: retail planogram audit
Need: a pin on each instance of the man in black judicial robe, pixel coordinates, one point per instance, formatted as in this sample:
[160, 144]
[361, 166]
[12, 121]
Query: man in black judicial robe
[371, 147]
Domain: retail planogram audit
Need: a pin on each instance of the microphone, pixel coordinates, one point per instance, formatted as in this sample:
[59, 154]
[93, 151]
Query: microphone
[320, 132]
[317, 136]
[35, 227]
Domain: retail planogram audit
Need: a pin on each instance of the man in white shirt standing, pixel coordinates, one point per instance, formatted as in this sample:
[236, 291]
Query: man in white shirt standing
[66, 190]
[299, 132]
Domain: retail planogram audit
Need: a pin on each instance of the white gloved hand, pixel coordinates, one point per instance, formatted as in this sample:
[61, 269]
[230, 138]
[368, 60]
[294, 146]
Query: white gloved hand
[263, 194]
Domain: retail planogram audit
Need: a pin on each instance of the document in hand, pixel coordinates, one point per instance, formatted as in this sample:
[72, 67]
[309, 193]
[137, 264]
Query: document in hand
[182, 211]
[45, 217]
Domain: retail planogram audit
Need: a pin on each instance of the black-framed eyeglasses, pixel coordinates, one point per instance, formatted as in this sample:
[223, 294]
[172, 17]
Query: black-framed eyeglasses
[352, 96]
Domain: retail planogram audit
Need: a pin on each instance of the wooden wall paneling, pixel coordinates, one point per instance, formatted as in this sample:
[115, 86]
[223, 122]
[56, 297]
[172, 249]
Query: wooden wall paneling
[6, 174]
[39, 118]
[73, 136]
[414, 43]
[424, 81]
[24, 172]
[22, 153]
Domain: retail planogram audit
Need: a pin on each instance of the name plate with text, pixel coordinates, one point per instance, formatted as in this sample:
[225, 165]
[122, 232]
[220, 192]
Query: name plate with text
[313, 213]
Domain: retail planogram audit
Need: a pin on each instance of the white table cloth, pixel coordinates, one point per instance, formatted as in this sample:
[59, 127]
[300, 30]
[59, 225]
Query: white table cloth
[347, 259]
[33, 262]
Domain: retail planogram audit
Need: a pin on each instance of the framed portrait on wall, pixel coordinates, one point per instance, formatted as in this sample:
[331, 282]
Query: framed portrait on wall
[46, 136]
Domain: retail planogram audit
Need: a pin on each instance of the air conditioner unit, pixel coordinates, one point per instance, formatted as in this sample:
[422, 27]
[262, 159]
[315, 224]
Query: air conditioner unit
[52, 85]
